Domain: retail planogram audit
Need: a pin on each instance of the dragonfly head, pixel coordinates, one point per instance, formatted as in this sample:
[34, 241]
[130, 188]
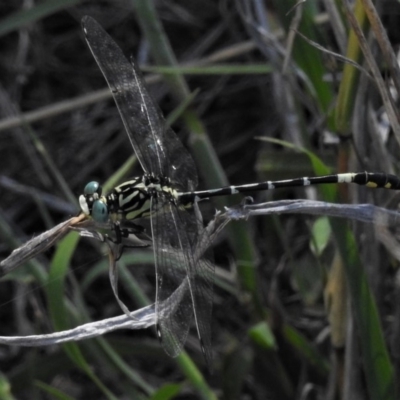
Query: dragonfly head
[92, 203]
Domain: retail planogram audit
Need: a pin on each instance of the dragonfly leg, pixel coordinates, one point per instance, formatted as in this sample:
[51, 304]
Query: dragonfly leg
[121, 233]
[124, 232]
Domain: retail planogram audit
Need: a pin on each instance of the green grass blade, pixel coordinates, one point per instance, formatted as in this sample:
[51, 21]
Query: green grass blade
[349, 83]
[193, 374]
[56, 302]
[52, 391]
[221, 69]
[5, 388]
[166, 392]
[376, 361]
[308, 58]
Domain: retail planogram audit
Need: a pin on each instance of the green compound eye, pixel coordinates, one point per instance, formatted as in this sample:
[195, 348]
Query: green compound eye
[92, 188]
[100, 211]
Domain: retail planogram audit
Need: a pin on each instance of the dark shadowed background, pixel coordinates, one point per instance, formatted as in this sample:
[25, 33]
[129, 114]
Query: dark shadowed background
[274, 336]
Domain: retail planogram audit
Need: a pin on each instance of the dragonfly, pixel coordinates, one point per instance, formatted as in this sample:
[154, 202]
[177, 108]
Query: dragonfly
[166, 194]
[168, 169]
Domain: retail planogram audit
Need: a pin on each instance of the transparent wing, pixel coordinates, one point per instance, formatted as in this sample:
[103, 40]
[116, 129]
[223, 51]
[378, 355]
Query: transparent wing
[157, 147]
[184, 281]
[180, 167]
[173, 314]
[175, 241]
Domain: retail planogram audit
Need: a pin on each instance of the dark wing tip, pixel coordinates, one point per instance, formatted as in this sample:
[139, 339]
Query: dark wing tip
[158, 330]
[85, 19]
[86, 22]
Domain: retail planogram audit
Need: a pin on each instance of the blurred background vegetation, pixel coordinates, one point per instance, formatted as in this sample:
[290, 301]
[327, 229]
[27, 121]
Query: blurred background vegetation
[305, 307]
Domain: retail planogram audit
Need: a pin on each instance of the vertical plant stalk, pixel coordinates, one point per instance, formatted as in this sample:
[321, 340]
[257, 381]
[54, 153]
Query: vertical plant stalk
[386, 96]
[349, 83]
[378, 369]
[344, 110]
[383, 41]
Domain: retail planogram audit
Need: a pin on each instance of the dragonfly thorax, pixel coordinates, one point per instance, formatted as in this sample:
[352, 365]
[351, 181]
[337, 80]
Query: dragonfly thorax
[130, 200]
